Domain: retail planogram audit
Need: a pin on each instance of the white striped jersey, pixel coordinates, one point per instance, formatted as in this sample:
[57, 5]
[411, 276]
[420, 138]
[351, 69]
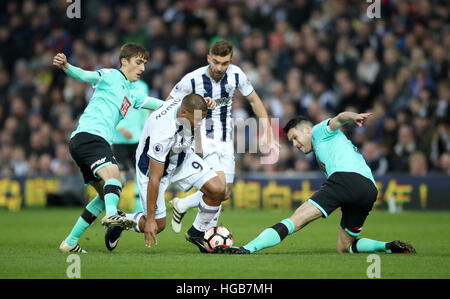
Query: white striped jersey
[218, 124]
[164, 139]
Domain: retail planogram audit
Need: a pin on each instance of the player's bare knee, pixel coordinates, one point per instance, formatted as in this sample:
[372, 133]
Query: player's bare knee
[216, 191]
[161, 227]
[227, 193]
[218, 194]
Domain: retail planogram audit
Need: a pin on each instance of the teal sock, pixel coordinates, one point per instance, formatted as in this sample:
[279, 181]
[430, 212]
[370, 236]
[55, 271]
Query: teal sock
[111, 192]
[271, 236]
[368, 245]
[90, 213]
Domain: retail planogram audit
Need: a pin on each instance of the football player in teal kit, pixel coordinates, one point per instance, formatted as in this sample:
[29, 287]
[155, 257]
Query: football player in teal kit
[349, 186]
[90, 144]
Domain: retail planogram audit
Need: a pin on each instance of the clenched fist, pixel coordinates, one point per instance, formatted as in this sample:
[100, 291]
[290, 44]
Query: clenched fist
[60, 61]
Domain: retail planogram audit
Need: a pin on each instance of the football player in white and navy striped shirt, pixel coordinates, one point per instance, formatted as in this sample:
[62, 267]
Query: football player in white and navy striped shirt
[165, 157]
[218, 80]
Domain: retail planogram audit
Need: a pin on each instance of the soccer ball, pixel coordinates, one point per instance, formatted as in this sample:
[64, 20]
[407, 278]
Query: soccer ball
[218, 235]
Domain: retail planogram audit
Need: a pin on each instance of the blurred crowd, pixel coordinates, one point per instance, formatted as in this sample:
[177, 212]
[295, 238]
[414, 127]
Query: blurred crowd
[315, 58]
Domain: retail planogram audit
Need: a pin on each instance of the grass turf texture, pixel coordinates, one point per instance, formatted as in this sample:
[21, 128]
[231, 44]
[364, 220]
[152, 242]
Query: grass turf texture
[29, 242]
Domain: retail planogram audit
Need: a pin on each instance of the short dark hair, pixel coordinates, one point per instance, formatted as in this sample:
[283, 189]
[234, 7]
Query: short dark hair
[221, 48]
[299, 120]
[193, 102]
[129, 50]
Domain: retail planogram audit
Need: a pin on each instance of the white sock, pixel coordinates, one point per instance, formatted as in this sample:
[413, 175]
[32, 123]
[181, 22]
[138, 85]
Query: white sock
[215, 219]
[188, 202]
[204, 216]
[136, 217]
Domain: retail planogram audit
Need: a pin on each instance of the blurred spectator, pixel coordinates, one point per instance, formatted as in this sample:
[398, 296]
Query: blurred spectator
[44, 163]
[404, 147]
[368, 67]
[440, 143]
[444, 163]
[442, 105]
[303, 57]
[374, 158]
[70, 190]
[60, 165]
[418, 164]
[18, 162]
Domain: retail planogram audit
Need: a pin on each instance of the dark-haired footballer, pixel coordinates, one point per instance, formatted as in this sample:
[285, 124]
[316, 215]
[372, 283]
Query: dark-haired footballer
[349, 186]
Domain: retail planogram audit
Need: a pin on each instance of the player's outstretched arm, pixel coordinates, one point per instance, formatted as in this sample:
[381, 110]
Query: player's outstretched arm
[155, 174]
[261, 112]
[346, 117]
[76, 73]
[152, 103]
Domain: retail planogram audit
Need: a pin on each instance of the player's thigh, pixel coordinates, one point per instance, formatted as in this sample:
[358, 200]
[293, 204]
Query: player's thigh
[93, 153]
[361, 199]
[353, 218]
[110, 171]
[213, 160]
[329, 197]
[229, 164]
[228, 190]
[213, 186]
[196, 172]
[161, 222]
[304, 214]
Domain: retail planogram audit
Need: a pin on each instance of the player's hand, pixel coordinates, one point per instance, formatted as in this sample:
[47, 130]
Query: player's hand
[60, 61]
[125, 133]
[274, 146]
[271, 146]
[360, 118]
[211, 103]
[150, 231]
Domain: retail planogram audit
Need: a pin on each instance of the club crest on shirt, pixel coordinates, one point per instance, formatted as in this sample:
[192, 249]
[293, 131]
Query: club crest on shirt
[125, 106]
[229, 88]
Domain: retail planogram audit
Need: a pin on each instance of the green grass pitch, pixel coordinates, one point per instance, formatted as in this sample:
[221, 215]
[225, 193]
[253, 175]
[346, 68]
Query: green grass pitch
[29, 242]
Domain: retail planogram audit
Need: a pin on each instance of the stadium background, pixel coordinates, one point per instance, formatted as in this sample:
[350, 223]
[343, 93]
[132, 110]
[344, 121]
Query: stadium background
[303, 57]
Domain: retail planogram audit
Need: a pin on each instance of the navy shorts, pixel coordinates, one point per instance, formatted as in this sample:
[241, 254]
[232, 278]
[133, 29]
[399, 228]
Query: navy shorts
[90, 152]
[353, 193]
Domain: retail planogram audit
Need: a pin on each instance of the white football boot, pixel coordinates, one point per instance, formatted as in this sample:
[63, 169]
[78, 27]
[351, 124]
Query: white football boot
[66, 248]
[118, 220]
[177, 216]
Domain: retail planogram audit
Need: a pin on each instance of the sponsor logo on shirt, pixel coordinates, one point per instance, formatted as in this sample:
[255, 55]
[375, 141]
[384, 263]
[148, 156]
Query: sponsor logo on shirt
[222, 101]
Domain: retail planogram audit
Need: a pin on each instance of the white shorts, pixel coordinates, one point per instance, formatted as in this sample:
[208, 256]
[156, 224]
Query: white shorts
[220, 155]
[193, 172]
[222, 162]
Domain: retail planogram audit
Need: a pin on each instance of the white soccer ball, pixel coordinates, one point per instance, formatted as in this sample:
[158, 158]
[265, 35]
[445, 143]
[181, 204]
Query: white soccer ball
[218, 235]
